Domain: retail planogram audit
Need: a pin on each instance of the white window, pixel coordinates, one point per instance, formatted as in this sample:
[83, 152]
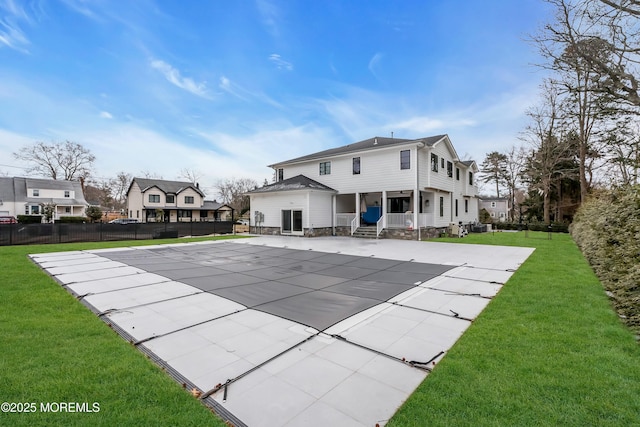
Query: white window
[405, 159]
[325, 168]
[67, 193]
[493, 204]
[36, 193]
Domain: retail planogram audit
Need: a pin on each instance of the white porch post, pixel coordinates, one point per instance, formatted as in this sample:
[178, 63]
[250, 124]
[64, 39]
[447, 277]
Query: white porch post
[416, 208]
[357, 209]
[383, 208]
[333, 214]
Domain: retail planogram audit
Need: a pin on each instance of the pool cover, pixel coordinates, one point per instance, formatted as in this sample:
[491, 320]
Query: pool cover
[271, 332]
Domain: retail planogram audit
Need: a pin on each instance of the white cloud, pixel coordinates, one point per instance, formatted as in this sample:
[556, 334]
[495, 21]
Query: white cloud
[106, 115]
[173, 76]
[374, 64]
[246, 95]
[269, 14]
[280, 63]
[11, 35]
[231, 88]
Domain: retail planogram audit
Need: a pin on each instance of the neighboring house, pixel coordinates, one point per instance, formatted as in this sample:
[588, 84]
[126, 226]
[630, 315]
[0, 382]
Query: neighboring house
[391, 183]
[498, 207]
[28, 196]
[150, 200]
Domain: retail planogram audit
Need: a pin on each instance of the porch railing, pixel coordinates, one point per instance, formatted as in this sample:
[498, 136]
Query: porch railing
[354, 225]
[405, 220]
[379, 226]
[344, 219]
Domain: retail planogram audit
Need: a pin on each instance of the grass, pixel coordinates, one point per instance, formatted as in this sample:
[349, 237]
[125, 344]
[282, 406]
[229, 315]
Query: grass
[549, 350]
[53, 350]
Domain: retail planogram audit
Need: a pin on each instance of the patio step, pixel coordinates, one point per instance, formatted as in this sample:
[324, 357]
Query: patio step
[369, 232]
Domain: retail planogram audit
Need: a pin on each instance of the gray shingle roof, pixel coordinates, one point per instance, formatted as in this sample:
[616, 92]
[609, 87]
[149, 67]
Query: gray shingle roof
[299, 182]
[367, 144]
[15, 189]
[213, 205]
[168, 187]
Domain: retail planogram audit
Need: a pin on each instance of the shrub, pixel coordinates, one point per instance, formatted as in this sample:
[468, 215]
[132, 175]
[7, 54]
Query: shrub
[72, 219]
[29, 219]
[607, 230]
[556, 227]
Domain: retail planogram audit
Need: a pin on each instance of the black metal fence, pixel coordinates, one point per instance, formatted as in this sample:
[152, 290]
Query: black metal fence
[27, 234]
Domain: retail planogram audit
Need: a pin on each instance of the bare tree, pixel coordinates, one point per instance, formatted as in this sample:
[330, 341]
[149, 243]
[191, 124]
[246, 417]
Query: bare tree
[576, 53]
[232, 192]
[150, 175]
[191, 175]
[121, 185]
[552, 153]
[61, 160]
[515, 168]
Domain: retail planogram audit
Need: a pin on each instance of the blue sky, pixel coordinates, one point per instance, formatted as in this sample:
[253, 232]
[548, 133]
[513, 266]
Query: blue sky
[228, 87]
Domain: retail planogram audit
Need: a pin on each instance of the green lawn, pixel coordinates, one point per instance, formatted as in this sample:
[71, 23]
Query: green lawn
[549, 350]
[54, 350]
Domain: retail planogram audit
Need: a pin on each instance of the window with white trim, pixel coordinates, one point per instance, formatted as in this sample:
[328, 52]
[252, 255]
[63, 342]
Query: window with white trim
[325, 168]
[405, 159]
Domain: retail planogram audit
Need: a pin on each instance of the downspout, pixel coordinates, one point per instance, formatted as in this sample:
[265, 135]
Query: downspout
[416, 193]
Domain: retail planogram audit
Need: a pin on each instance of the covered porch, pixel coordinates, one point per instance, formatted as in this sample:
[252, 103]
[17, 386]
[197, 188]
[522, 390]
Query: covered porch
[400, 209]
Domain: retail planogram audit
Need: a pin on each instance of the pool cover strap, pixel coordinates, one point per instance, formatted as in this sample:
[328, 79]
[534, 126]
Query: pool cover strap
[232, 380]
[402, 360]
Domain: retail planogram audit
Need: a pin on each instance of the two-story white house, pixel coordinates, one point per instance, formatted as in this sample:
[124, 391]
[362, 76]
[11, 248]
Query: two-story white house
[151, 200]
[29, 196]
[402, 187]
[498, 207]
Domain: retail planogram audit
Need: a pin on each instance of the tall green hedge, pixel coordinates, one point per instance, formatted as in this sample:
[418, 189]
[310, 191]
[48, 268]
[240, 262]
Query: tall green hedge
[607, 229]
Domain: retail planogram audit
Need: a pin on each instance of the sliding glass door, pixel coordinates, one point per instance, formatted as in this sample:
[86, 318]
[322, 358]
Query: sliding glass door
[291, 221]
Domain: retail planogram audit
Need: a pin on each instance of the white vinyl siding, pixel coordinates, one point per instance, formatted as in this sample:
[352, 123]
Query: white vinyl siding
[379, 170]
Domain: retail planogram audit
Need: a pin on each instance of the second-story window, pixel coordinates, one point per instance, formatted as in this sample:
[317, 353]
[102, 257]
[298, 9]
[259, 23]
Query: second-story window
[470, 178]
[405, 159]
[434, 162]
[188, 200]
[154, 198]
[280, 175]
[457, 174]
[325, 168]
[36, 193]
[356, 165]
[450, 169]
[171, 198]
[67, 193]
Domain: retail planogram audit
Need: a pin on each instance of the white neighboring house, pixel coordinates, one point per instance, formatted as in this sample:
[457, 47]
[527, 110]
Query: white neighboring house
[177, 200]
[28, 196]
[498, 207]
[396, 185]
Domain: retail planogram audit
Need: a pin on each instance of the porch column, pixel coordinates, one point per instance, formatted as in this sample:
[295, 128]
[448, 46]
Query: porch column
[357, 209]
[383, 208]
[334, 214]
[416, 208]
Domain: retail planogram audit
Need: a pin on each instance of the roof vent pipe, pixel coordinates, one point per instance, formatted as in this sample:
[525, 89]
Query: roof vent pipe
[375, 141]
